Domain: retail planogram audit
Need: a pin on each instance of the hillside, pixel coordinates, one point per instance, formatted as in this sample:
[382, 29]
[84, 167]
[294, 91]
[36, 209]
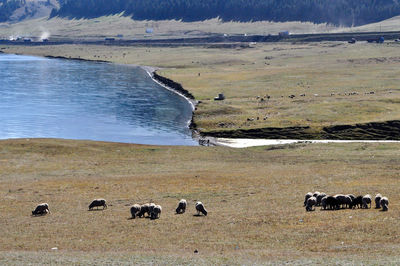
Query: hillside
[18, 10]
[340, 12]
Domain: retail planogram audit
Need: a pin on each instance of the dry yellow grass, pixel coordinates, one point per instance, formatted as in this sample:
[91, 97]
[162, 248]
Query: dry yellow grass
[317, 70]
[254, 198]
[110, 26]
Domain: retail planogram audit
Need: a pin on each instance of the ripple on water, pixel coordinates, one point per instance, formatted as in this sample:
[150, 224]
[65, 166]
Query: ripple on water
[55, 98]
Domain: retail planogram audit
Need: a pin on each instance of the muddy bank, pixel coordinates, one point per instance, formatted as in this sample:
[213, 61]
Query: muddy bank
[74, 58]
[172, 84]
[389, 130]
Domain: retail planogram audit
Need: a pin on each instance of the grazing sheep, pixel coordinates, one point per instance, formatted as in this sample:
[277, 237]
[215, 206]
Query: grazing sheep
[156, 212]
[332, 203]
[319, 198]
[98, 203]
[323, 202]
[316, 193]
[135, 209]
[366, 200]
[308, 195]
[341, 200]
[384, 203]
[200, 208]
[357, 202]
[351, 196]
[151, 207]
[310, 203]
[348, 201]
[144, 209]
[41, 209]
[378, 198]
[181, 206]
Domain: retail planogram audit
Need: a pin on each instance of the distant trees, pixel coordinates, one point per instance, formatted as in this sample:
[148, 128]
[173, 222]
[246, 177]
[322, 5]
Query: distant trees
[337, 12]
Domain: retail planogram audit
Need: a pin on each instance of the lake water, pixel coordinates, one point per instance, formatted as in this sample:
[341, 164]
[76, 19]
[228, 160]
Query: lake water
[55, 98]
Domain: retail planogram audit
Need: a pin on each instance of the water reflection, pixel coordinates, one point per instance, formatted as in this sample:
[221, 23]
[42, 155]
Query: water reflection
[88, 100]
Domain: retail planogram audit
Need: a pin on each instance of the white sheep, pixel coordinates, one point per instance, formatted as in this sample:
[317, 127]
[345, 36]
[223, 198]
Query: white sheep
[135, 210]
[366, 200]
[378, 198]
[156, 212]
[181, 206]
[306, 197]
[200, 208]
[384, 203]
[310, 203]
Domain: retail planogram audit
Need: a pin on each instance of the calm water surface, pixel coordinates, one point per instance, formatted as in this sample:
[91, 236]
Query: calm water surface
[54, 98]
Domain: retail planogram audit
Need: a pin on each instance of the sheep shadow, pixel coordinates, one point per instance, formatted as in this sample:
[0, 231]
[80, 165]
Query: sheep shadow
[198, 215]
[38, 215]
[95, 210]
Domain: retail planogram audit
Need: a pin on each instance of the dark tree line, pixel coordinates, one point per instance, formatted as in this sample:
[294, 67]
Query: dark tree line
[337, 12]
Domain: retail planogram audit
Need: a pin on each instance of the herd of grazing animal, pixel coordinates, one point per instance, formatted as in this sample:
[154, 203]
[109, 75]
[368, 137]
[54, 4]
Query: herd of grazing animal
[340, 201]
[152, 210]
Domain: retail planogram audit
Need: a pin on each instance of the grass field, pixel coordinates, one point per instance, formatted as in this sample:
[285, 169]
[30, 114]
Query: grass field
[254, 198]
[111, 26]
[335, 78]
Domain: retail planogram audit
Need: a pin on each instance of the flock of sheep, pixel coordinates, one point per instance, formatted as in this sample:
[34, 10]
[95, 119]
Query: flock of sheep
[152, 210]
[343, 201]
[311, 200]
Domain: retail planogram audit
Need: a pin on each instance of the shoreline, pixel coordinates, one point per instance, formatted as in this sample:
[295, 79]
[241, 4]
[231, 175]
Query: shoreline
[372, 131]
[151, 72]
[246, 143]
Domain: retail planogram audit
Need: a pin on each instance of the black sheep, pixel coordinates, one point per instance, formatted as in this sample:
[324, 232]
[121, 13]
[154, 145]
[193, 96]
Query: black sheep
[332, 203]
[181, 206]
[98, 203]
[357, 202]
[200, 208]
[41, 209]
[145, 208]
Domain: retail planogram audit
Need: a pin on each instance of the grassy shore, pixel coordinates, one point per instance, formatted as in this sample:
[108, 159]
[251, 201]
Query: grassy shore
[254, 198]
[341, 84]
